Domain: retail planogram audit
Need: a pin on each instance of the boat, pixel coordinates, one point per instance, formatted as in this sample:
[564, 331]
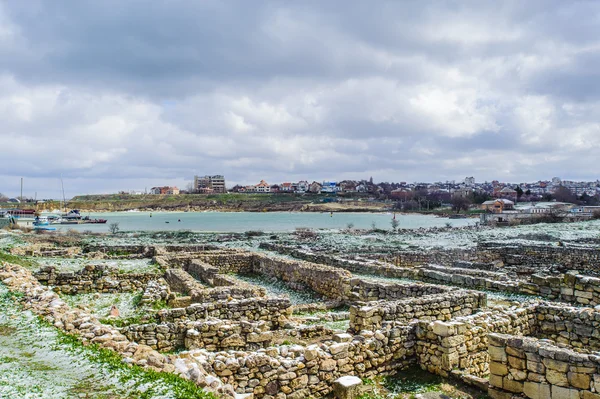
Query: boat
[54, 219]
[72, 215]
[41, 221]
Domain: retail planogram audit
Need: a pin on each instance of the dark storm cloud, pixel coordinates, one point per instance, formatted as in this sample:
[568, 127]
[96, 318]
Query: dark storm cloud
[123, 94]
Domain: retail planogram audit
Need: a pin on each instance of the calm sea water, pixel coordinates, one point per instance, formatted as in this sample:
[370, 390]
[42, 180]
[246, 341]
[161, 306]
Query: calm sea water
[265, 221]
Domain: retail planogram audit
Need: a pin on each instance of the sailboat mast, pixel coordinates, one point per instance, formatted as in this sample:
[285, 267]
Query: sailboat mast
[63, 193]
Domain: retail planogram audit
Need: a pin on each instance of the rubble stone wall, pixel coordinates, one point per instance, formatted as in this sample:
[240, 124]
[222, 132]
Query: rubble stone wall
[368, 291]
[212, 335]
[93, 278]
[303, 372]
[229, 261]
[181, 281]
[576, 327]
[461, 345]
[330, 282]
[142, 251]
[570, 287]
[540, 370]
[428, 308]
[275, 311]
[586, 260]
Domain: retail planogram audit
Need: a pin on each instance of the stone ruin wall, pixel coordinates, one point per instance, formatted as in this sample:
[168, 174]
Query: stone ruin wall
[330, 282]
[540, 370]
[569, 326]
[212, 335]
[371, 316]
[460, 347]
[569, 287]
[275, 311]
[94, 278]
[585, 260]
[369, 291]
[302, 372]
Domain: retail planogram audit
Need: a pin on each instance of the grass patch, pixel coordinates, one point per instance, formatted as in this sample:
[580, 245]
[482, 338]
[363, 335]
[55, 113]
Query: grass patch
[17, 260]
[160, 304]
[410, 383]
[181, 388]
[124, 322]
[5, 331]
[404, 384]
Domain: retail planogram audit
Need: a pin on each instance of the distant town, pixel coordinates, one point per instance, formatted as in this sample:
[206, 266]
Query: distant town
[478, 192]
[496, 202]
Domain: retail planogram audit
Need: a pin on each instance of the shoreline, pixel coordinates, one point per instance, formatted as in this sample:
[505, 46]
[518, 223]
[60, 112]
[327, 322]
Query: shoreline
[345, 211]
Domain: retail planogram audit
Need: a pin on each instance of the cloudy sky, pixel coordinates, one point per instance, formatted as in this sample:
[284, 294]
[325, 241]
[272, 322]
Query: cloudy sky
[123, 95]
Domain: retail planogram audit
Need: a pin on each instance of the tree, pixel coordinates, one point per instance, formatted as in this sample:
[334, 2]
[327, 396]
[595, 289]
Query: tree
[479, 197]
[519, 191]
[528, 192]
[460, 203]
[3, 198]
[114, 227]
[563, 194]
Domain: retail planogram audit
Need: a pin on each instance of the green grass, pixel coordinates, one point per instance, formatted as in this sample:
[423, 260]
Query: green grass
[123, 322]
[181, 388]
[410, 381]
[16, 260]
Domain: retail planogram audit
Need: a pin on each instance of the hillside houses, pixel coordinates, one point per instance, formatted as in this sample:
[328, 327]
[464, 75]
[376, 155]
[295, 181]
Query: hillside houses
[165, 190]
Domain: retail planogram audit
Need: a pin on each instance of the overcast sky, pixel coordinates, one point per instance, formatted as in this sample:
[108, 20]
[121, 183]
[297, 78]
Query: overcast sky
[123, 95]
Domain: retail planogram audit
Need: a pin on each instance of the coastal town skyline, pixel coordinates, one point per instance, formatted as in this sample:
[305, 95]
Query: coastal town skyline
[537, 188]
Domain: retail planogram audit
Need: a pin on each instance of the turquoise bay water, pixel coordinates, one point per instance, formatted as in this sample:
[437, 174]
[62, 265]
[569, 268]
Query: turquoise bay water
[264, 221]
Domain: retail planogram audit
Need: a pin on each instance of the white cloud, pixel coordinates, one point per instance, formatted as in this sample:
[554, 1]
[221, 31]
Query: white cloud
[311, 90]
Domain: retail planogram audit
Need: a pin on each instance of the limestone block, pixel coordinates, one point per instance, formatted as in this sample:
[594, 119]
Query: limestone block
[497, 353]
[534, 390]
[564, 393]
[347, 387]
[512, 385]
[536, 367]
[343, 337]
[556, 365]
[555, 377]
[579, 380]
[497, 368]
[496, 380]
[516, 362]
[499, 394]
[443, 329]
